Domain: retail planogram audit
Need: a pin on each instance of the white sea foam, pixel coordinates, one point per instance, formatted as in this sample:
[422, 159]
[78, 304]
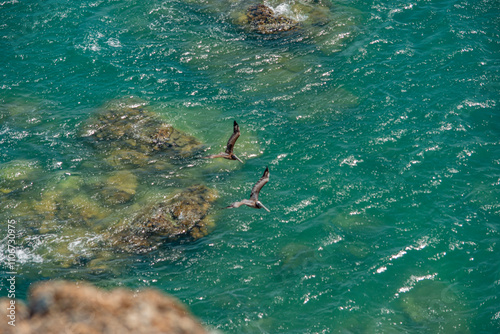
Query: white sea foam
[286, 10]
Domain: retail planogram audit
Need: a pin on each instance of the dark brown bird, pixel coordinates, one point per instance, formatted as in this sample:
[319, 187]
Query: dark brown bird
[230, 146]
[254, 202]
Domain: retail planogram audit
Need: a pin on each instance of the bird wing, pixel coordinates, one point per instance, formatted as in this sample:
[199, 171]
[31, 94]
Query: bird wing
[258, 186]
[234, 205]
[232, 139]
[220, 155]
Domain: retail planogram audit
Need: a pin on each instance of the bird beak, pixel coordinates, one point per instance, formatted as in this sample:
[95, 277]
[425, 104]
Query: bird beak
[238, 159]
[262, 205]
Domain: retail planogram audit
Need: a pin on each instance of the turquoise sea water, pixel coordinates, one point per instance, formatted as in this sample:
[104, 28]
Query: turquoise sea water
[379, 122]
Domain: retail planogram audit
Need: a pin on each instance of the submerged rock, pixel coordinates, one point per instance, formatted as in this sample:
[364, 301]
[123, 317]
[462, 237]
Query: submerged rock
[263, 20]
[182, 215]
[66, 219]
[128, 133]
[78, 231]
[295, 258]
[18, 170]
[436, 308]
[62, 203]
[60, 307]
[120, 187]
[17, 174]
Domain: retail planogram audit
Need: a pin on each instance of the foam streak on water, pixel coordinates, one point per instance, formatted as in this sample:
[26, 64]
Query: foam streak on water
[378, 121]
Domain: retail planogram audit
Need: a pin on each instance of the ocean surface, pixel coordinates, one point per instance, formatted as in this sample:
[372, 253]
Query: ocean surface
[379, 121]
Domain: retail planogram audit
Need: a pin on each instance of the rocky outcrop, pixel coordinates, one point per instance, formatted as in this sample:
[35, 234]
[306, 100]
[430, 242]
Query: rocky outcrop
[182, 215]
[263, 20]
[67, 307]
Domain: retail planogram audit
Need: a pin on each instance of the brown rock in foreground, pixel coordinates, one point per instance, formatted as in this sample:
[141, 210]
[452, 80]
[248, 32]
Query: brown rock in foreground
[68, 307]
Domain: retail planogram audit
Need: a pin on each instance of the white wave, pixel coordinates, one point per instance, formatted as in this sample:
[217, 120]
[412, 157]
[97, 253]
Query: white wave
[285, 9]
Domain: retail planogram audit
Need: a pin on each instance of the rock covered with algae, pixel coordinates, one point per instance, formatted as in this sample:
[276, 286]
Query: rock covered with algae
[75, 230]
[184, 214]
[128, 133]
[276, 16]
[17, 174]
[69, 216]
[119, 187]
[61, 203]
[263, 20]
[63, 307]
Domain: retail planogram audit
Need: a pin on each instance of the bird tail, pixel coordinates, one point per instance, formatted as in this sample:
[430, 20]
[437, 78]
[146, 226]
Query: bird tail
[263, 207]
[237, 158]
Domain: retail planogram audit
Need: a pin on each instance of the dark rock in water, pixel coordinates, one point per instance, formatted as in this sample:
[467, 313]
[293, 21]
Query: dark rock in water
[67, 307]
[129, 133]
[182, 215]
[166, 137]
[263, 20]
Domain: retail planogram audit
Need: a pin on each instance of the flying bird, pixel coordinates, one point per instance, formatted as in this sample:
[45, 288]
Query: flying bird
[230, 146]
[254, 202]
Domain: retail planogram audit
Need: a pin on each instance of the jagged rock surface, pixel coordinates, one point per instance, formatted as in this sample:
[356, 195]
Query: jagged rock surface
[263, 20]
[182, 215]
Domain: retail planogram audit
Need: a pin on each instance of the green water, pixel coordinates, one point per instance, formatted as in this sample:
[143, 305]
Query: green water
[378, 121]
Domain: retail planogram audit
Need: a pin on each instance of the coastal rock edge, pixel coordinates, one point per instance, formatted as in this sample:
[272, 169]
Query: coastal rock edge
[62, 306]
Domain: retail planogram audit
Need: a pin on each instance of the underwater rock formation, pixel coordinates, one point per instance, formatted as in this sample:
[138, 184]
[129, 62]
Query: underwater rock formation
[436, 307]
[67, 307]
[130, 134]
[130, 194]
[294, 258]
[17, 174]
[62, 200]
[263, 20]
[120, 187]
[182, 215]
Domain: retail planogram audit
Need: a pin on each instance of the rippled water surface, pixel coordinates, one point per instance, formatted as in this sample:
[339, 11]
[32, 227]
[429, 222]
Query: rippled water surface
[379, 122]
